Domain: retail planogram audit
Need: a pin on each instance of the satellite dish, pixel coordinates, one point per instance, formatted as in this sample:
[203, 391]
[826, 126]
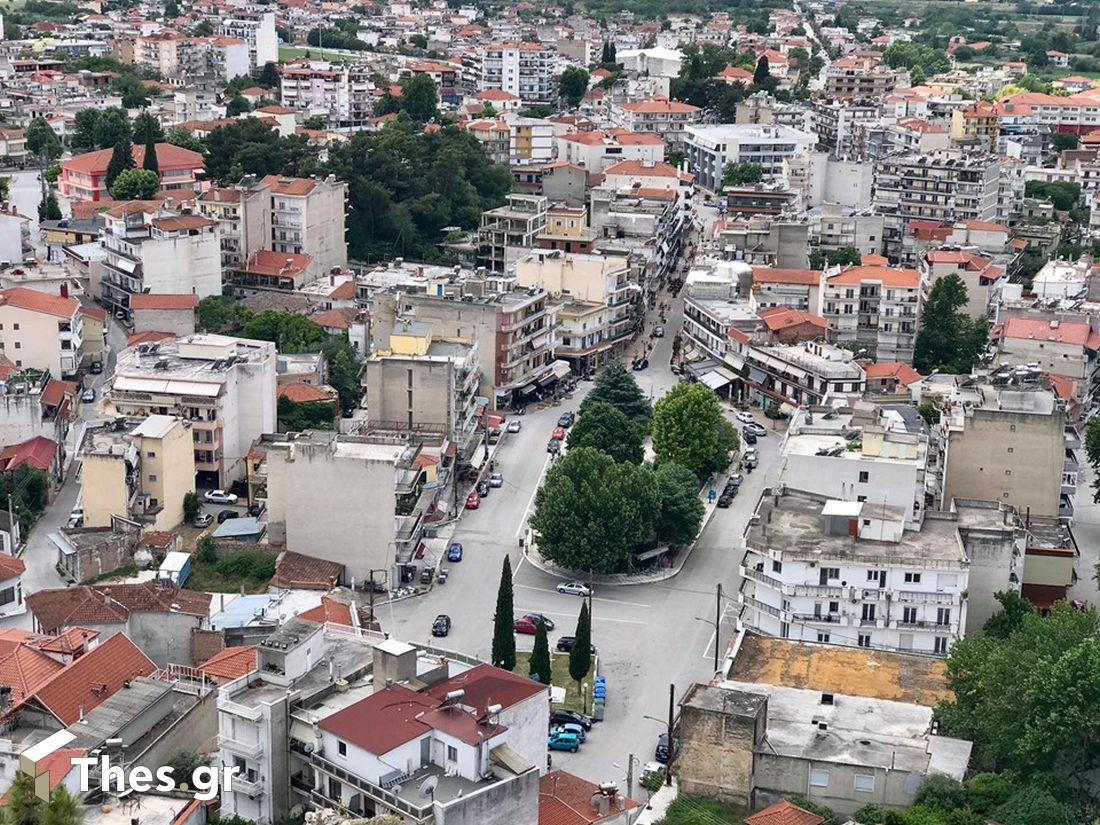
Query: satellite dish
[428, 786]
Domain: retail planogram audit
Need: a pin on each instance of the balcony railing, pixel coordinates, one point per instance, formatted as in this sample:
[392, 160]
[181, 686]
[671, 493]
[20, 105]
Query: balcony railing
[760, 576]
[375, 792]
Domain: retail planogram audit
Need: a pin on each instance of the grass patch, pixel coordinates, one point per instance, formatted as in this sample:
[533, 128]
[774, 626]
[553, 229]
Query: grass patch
[249, 570]
[688, 810]
[559, 674]
[124, 572]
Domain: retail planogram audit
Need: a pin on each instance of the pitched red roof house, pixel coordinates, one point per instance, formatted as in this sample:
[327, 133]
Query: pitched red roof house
[163, 301]
[565, 799]
[232, 663]
[84, 177]
[784, 813]
[106, 604]
[38, 452]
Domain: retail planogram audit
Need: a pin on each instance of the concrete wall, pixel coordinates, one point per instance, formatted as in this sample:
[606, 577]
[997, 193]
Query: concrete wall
[31, 339]
[778, 776]
[515, 802]
[21, 419]
[423, 399]
[103, 481]
[185, 264]
[990, 565]
[165, 637]
[168, 473]
[175, 321]
[892, 483]
[716, 754]
[526, 723]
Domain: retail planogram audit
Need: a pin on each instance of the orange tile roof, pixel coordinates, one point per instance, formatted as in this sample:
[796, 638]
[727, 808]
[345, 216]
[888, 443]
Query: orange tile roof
[335, 318]
[181, 223]
[231, 663]
[985, 226]
[566, 799]
[22, 666]
[642, 169]
[777, 318]
[773, 275]
[38, 452]
[10, 567]
[784, 813]
[289, 186]
[888, 276]
[1066, 332]
[905, 373]
[169, 157]
[329, 610]
[36, 301]
[271, 263]
[659, 105]
[736, 73]
[105, 604]
[164, 301]
[305, 393]
[874, 260]
[98, 313]
[495, 94]
[57, 391]
[302, 571]
[973, 262]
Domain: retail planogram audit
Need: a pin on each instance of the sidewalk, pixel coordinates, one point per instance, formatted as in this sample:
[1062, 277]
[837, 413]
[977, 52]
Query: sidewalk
[658, 804]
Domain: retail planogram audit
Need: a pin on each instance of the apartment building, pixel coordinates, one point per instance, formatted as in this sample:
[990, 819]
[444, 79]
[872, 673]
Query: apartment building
[243, 217]
[714, 307]
[307, 218]
[84, 177]
[841, 126]
[257, 29]
[874, 305]
[342, 93]
[982, 277]
[176, 55]
[708, 149]
[781, 287]
[935, 187]
[627, 220]
[138, 470]
[597, 312]
[524, 69]
[495, 136]
[531, 139]
[753, 232]
[852, 78]
[41, 331]
[446, 77]
[597, 149]
[509, 232]
[567, 230]
[977, 124]
[150, 248]
[789, 376]
[223, 386]
[840, 572]
[838, 228]
[658, 116]
[1064, 348]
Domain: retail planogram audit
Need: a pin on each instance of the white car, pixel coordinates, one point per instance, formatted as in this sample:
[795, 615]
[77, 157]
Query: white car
[755, 429]
[496, 480]
[515, 425]
[574, 589]
[745, 417]
[219, 497]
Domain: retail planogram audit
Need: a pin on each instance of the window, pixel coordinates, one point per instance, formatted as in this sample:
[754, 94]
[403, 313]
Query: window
[864, 639]
[940, 645]
[152, 477]
[943, 615]
[452, 753]
[828, 573]
[15, 327]
[909, 615]
[868, 614]
[777, 566]
[7, 595]
[912, 578]
[150, 455]
[819, 779]
[834, 607]
[864, 475]
[342, 748]
[17, 345]
[823, 638]
[864, 782]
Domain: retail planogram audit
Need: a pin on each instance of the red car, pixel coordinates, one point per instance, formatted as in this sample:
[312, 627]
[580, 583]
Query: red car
[473, 501]
[525, 625]
[558, 434]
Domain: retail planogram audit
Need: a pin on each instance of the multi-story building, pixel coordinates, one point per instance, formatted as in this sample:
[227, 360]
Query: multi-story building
[567, 229]
[84, 177]
[838, 228]
[659, 116]
[847, 572]
[257, 29]
[152, 249]
[225, 388]
[524, 69]
[876, 306]
[841, 126]
[307, 218]
[789, 376]
[627, 221]
[508, 232]
[936, 187]
[708, 149]
[595, 150]
[342, 93]
[715, 308]
[531, 139]
[446, 77]
[495, 136]
[1065, 348]
[780, 287]
[41, 331]
[243, 217]
[851, 78]
[977, 124]
[981, 276]
[597, 313]
[179, 56]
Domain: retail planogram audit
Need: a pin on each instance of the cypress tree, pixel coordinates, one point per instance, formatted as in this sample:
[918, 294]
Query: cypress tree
[539, 669]
[23, 807]
[122, 158]
[149, 162]
[504, 638]
[763, 70]
[580, 657]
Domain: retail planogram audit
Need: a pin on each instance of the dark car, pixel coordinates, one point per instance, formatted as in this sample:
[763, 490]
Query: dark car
[96, 367]
[565, 644]
[442, 625]
[454, 552]
[225, 515]
[538, 617]
[567, 419]
[568, 717]
[748, 437]
[255, 509]
[553, 446]
[483, 488]
[661, 752]
[724, 501]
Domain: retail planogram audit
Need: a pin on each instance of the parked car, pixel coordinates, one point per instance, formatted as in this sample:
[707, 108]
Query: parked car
[219, 497]
[482, 488]
[565, 644]
[565, 717]
[203, 520]
[454, 552]
[426, 575]
[724, 501]
[525, 626]
[496, 480]
[572, 727]
[553, 446]
[255, 509]
[750, 457]
[442, 625]
[567, 419]
[661, 753]
[538, 617]
[745, 417]
[735, 479]
[747, 437]
[514, 426]
[96, 367]
[225, 515]
[559, 433]
[88, 396]
[574, 589]
[756, 429]
[473, 501]
[563, 742]
[658, 332]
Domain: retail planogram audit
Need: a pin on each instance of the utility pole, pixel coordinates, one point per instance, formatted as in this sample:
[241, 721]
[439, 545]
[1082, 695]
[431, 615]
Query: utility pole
[630, 775]
[717, 623]
[671, 744]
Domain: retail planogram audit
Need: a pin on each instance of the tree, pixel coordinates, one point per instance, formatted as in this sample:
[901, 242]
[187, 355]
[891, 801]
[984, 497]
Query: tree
[949, 340]
[343, 373]
[5, 188]
[742, 172]
[608, 430]
[149, 160]
[219, 314]
[180, 136]
[681, 510]
[1064, 194]
[171, 10]
[48, 208]
[42, 140]
[315, 122]
[1032, 806]
[22, 807]
[192, 506]
[689, 428]
[572, 85]
[147, 129]
[62, 808]
[591, 513]
[112, 125]
[539, 666]
[1065, 140]
[617, 387]
[204, 29]
[237, 105]
[580, 655]
[207, 549]
[942, 792]
[504, 637]
[929, 411]
[249, 146]
[1005, 621]
[132, 90]
[122, 158]
[917, 77]
[85, 131]
[419, 98]
[269, 76]
[607, 53]
[762, 73]
[296, 416]
[291, 333]
[135, 184]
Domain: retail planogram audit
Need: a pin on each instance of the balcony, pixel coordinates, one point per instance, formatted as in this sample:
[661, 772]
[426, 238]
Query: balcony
[759, 576]
[249, 783]
[756, 604]
[248, 750]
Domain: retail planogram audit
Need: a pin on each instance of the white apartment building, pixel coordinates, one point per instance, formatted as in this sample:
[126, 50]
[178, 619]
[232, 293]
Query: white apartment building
[342, 93]
[714, 306]
[224, 386]
[708, 149]
[307, 218]
[243, 217]
[596, 150]
[659, 116]
[257, 29]
[154, 249]
[874, 305]
[837, 228]
[523, 69]
[41, 331]
[791, 375]
[831, 571]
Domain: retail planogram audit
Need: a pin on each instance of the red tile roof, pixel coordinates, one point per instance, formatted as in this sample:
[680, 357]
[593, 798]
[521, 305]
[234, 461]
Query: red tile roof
[105, 604]
[181, 223]
[772, 275]
[169, 157]
[383, 721]
[36, 301]
[659, 105]
[231, 663]
[495, 94]
[148, 338]
[639, 168]
[164, 301]
[10, 567]
[905, 373]
[305, 393]
[302, 571]
[565, 799]
[460, 724]
[335, 318]
[289, 186]
[280, 264]
[56, 391]
[99, 313]
[1066, 332]
[24, 668]
[329, 610]
[784, 813]
[886, 275]
[487, 685]
[777, 318]
[38, 452]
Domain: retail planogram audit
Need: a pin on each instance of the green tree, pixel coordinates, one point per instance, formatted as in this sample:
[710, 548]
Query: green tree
[1014, 608]
[949, 340]
[987, 791]
[1064, 194]
[204, 29]
[48, 208]
[180, 136]
[580, 655]
[419, 98]
[608, 430]
[591, 513]
[5, 188]
[112, 125]
[42, 141]
[192, 506]
[147, 129]
[315, 122]
[1065, 140]
[85, 131]
[504, 637]
[689, 428]
[149, 160]
[910, 55]
[343, 373]
[1032, 806]
[762, 73]
[291, 333]
[572, 85]
[132, 90]
[681, 510]
[171, 10]
[296, 416]
[269, 76]
[219, 314]
[617, 387]
[929, 411]
[742, 172]
[249, 146]
[539, 666]
[62, 809]
[122, 158]
[22, 807]
[237, 105]
[207, 549]
[135, 184]
[942, 792]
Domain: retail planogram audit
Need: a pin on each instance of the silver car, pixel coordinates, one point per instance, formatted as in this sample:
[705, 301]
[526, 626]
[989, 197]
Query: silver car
[515, 425]
[574, 589]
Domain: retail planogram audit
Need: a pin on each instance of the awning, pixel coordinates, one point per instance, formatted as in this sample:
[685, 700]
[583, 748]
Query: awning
[726, 373]
[478, 458]
[530, 388]
[1043, 596]
[560, 369]
[713, 380]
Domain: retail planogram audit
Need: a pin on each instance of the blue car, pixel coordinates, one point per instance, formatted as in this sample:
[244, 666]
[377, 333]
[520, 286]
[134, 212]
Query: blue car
[563, 742]
[454, 552]
[570, 727]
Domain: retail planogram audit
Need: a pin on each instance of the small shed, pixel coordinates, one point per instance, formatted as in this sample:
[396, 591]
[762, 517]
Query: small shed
[175, 568]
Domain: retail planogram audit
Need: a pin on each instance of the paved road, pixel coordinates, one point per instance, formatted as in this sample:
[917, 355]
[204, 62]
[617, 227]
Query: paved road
[1086, 529]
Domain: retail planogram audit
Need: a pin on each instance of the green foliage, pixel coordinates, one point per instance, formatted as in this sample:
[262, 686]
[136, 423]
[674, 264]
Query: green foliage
[941, 792]
[335, 39]
[742, 172]
[295, 416]
[539, 666]
[580, 655]
[572, 85]
[83, 137]
[122, 158]
[179, 136]
[24, 808]
[251, 565]
[419, 99]
[1032, 806]
[315, 122]
[1014, 608]
[29, 490]
[62, 809]
[48, 208]
[762, 73]
[608, 430]
[690, 429]
[291, 333]
[681, 511]
[269, 76]
[51, 173]
[343, 372]
[614, 385]
[929, 411]
[135, 184]
[846, 256]
[912, 55]
[1064, 194]
[192, 506]
[697, 810]
[872, 815]
[987, 791]
[249, 146]
[237, 105]
[147, 129]
[504, 638]
[111, 126]
[42, 141]
[204, 29]
[1065, 140]
[949, 340]
[185, 762]
[133, 92]
[219, 314]
[207, 548]
[149, 160]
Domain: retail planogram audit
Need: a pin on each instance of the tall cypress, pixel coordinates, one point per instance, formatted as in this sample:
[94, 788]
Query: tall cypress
[580, 657]
[122, 158]
[539, 668]
[149, 162]
[504, 638]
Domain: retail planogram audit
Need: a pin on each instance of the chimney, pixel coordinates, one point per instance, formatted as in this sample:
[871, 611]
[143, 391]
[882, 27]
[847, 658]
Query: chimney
[64, 289]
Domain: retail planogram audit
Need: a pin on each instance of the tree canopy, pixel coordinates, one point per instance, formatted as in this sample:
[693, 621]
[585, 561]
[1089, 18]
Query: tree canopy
[690, 429]
[249, 146]
[742, 172]
[614, 385]
[607, 429]
[572, 85]
[42, 140]
[135, 184]
[1064, 194]
[949, 340]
